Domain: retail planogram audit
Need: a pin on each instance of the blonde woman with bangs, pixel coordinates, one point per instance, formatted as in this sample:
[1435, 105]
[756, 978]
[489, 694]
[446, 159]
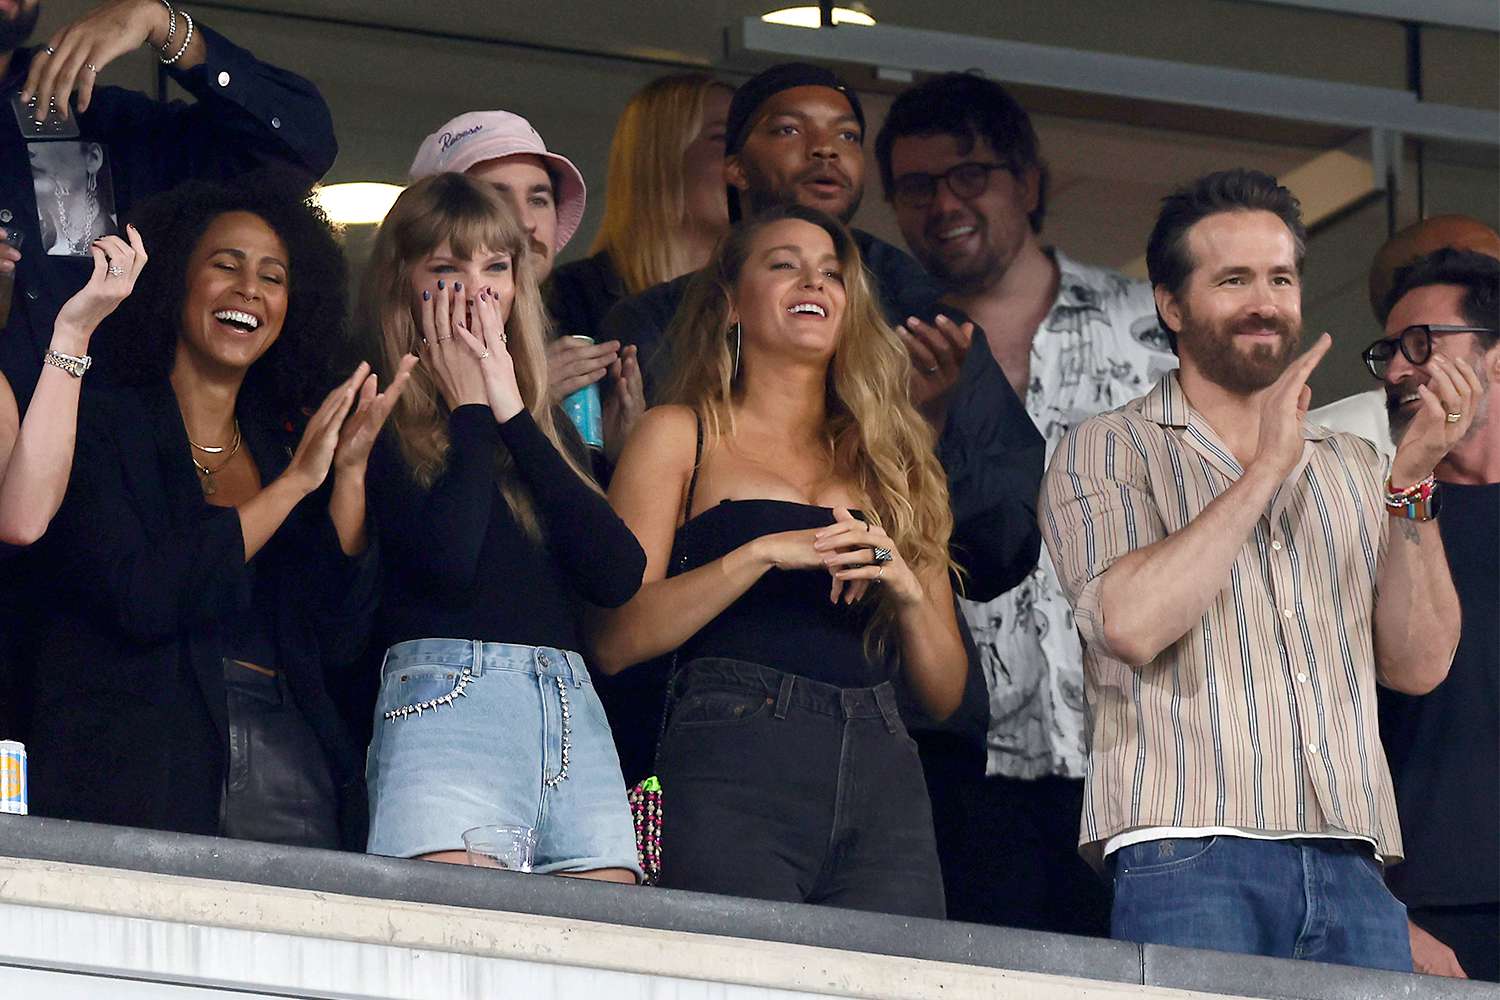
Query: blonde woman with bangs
[796, 525]
[492, 538]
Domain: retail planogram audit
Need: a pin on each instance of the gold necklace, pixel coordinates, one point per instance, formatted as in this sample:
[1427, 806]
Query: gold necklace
[206, 449]
[206, 475]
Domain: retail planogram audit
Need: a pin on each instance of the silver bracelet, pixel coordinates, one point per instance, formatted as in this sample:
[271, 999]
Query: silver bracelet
[171, 29]
[74, 365]
[186, 40]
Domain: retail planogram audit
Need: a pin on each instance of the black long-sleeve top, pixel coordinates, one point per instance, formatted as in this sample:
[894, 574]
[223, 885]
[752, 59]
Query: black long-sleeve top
[458, 565]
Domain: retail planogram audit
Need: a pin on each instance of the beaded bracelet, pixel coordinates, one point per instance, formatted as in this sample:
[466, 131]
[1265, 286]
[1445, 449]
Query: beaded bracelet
[171, 29]
[1415, 503]
[186, 40]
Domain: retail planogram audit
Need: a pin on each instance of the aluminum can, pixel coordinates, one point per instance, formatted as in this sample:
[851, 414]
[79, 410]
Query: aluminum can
[585, 408]
[12, 777]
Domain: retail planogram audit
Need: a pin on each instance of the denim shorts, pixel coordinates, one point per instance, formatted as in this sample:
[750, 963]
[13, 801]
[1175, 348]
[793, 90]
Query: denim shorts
[470, 733]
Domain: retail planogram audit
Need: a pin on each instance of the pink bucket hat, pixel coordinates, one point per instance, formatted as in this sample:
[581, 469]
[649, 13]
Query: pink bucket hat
[477, 136]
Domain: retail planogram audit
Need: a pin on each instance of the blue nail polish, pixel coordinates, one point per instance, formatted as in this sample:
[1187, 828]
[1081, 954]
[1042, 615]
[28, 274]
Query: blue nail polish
[426, 295]
[458, 286]
[440, 284]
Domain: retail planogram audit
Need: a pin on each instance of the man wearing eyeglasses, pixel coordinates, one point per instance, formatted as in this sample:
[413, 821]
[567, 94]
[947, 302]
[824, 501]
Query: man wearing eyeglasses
[1364, 413]
[959, 161]
[1444, 747]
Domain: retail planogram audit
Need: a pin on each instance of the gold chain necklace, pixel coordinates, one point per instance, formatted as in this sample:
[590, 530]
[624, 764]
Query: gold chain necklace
[206, 475]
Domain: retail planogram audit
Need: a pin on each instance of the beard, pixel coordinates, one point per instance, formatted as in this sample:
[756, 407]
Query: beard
[15, 30]
[971, 274]
[1226, 364]
[762, 194]
[1400, 419]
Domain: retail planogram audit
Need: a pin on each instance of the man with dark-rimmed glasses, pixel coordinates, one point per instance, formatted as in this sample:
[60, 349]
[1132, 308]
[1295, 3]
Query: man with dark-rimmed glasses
[960, 164]
[1444, 747]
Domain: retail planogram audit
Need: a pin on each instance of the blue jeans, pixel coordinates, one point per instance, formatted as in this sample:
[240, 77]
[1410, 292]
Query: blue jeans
[1322, 900]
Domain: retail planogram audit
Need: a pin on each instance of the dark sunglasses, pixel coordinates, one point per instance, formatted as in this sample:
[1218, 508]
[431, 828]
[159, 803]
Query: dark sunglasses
[967, 180]
[1415, 343]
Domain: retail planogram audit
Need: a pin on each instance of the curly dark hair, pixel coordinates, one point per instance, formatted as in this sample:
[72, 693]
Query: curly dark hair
[138, 342]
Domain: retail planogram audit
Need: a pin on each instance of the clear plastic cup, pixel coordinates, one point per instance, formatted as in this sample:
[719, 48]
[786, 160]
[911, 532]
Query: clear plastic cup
[508, 847]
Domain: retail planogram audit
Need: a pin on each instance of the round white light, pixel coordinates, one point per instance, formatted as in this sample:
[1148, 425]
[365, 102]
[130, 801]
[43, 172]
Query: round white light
[362, 203]
[807, 16]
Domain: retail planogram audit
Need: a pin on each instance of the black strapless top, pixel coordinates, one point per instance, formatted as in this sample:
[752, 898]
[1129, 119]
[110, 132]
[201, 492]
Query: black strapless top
[785, 621]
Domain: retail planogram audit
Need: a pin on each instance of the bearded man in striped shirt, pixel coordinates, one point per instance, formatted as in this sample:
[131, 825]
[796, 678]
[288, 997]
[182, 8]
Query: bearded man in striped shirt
[1241, 580]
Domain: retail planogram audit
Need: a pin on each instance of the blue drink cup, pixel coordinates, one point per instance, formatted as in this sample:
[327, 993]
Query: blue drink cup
[586, 410]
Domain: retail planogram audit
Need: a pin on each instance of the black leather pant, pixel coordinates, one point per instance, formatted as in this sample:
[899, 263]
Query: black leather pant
[278, 787]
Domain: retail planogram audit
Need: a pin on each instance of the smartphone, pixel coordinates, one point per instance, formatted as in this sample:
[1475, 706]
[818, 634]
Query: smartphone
[52, 126]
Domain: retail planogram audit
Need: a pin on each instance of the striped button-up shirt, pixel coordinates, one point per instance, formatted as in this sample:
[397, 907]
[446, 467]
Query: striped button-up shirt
[1263, 716]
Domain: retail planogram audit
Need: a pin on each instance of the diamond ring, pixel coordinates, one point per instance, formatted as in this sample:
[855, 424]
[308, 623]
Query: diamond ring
[115, 270]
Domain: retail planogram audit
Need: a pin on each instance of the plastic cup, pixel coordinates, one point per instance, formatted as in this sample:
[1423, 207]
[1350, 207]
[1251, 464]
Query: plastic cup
[508, 847]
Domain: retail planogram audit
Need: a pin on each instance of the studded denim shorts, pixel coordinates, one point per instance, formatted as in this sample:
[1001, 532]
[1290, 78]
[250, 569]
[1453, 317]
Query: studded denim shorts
[471, 733]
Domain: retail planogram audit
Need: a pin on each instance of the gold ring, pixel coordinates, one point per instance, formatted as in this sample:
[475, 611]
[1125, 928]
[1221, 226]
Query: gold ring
[1454, 418]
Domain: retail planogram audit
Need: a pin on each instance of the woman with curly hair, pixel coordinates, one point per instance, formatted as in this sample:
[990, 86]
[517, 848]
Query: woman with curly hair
[796, 524]
[203, 584]
[493, 537]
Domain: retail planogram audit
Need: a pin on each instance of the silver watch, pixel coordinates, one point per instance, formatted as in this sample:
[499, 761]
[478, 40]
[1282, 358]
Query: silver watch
[74, 365]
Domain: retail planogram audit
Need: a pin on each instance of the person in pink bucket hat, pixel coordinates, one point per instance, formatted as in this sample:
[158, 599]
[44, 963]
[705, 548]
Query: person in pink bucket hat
[503, 149]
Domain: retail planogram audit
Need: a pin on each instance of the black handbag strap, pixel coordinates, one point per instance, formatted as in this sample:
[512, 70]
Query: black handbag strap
[687, 512]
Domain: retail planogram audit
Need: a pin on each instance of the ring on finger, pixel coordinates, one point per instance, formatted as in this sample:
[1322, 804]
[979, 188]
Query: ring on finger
[883, 556]
[1454, 418]
[115, 270]
[880, 573]
[91, 68]
[49, 50]
[931, 371]
[483, 354]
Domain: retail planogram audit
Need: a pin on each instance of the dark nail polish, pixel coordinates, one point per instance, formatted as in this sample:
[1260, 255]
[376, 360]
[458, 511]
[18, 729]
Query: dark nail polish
[426, 295]
[440, 284]
[458, 286]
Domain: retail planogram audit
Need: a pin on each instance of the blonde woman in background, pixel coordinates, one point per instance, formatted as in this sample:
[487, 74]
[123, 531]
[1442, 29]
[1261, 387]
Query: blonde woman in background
[665, 209]
[796, 525]
[492, 537]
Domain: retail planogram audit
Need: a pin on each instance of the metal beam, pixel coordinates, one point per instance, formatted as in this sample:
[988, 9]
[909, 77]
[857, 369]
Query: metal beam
[1479, 15]
[1270, 95]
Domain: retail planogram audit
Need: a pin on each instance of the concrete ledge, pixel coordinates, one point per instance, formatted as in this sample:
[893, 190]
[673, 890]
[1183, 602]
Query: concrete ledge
[147, 875]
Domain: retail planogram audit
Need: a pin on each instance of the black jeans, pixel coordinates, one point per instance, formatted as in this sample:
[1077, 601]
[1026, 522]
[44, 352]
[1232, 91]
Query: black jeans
[778, 787]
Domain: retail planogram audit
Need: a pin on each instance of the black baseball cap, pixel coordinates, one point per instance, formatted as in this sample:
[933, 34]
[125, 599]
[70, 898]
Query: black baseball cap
[754, 92]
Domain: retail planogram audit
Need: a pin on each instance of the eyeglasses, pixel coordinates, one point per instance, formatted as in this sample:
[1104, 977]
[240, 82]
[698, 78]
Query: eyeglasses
[1415, 343]
[967, 180]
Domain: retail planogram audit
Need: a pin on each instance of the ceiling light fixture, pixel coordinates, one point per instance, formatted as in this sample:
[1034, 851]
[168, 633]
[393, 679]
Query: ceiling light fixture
[361, 203]
[808, 16]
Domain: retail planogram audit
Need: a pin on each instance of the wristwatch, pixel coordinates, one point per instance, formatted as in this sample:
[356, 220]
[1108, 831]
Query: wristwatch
[74, 365]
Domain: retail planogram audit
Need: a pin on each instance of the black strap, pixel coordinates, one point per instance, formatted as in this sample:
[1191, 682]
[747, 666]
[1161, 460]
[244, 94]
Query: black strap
[687, 512]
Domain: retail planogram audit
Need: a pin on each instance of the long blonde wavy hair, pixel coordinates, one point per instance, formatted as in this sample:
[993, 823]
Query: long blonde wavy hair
[473, 218]
[646, 204]
[875, 437]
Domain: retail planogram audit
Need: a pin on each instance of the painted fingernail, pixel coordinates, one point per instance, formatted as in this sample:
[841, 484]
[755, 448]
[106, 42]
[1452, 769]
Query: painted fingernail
[426, 295]
[440, 284]
[458, 286]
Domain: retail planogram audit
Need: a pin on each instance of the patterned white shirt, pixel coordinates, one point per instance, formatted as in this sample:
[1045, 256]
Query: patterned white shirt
[1099, 347]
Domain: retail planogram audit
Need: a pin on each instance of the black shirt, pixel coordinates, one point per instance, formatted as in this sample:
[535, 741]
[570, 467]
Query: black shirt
[1444, 747]
[458, 565]
[785, 620]
[582, 293]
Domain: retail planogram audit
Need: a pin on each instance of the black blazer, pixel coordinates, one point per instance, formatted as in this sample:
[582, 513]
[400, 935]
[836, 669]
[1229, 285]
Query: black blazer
[141, 576]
